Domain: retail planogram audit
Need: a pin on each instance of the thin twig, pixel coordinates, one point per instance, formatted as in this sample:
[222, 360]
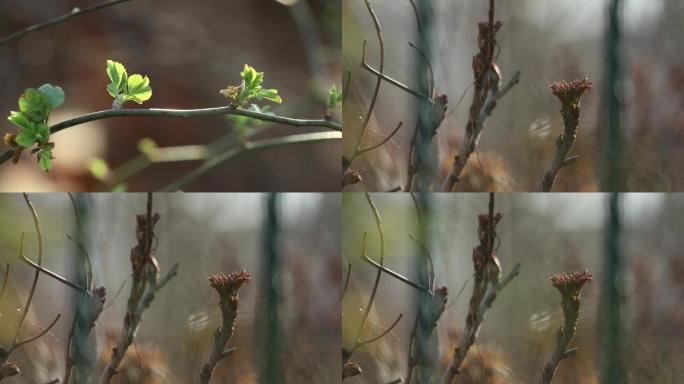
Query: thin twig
[16, 343]
[388, 79]
[36, 275]
[249, 147]
[428, 65]
[171, 154]
[346, 280]
[382, 334]
[378, 275]
[378, 82]
[39, 335]
[59, 19]
[52, 274]
[378, 145]
[390, 272]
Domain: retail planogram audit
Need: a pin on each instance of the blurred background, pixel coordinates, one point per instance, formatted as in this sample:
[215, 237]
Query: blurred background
[547, 42]
[206, 234]
[189, 50]
[547, 234]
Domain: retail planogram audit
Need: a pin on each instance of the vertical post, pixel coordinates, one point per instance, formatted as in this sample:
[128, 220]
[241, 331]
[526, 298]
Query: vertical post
[613, 180]
[425, 349]
[83, 352]
[611, 300]
[425, 163]
[271, 372]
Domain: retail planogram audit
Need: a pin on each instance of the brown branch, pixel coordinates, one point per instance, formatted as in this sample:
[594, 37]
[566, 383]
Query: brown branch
[488, 91]
[482, 106]
[227, 288]
[146, 284]
[569, 95]
[569, 286]
[488, 282]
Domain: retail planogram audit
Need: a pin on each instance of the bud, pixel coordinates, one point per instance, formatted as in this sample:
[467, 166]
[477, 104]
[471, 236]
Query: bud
[351, 176]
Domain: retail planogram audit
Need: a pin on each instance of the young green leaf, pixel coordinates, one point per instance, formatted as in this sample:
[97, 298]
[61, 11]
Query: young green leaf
[42, 132]
[26, 138]
[20, 120]
[45, 159]
[112, 89]
[249, 74]
[34, 104]
[139, 89]
[334, 97]
[269, 94]
[117, 74]
[55, 94]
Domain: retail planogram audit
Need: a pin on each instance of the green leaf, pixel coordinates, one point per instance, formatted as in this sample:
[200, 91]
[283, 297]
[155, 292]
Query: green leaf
[266, 109]
[34, 104]
[54, 93]
[45, 159]
[42, 133]
[269, 94]
[25, 138]
[139, 89]
[20, 120]
[334, 97]
[121, 187]
[117, 74]
[112, 89]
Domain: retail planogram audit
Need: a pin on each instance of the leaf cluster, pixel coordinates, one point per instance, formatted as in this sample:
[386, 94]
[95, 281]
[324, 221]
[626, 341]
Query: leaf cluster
[124, 88]
[250, 88]
[35, 106]
[334, 98]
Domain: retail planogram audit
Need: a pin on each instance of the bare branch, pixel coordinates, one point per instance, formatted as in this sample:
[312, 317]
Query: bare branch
[38, 336]
[60, 19]
[381, 335]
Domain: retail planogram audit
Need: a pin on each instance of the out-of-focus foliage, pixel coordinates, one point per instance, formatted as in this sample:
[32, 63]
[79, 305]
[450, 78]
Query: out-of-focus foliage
[547, 42]
[206, 234]
[547, 235]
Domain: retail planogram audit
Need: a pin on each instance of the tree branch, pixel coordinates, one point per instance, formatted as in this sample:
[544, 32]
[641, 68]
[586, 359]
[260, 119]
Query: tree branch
[488, 282]
[248, 147]
[481, 108]
[185, 113]
[59, 19]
